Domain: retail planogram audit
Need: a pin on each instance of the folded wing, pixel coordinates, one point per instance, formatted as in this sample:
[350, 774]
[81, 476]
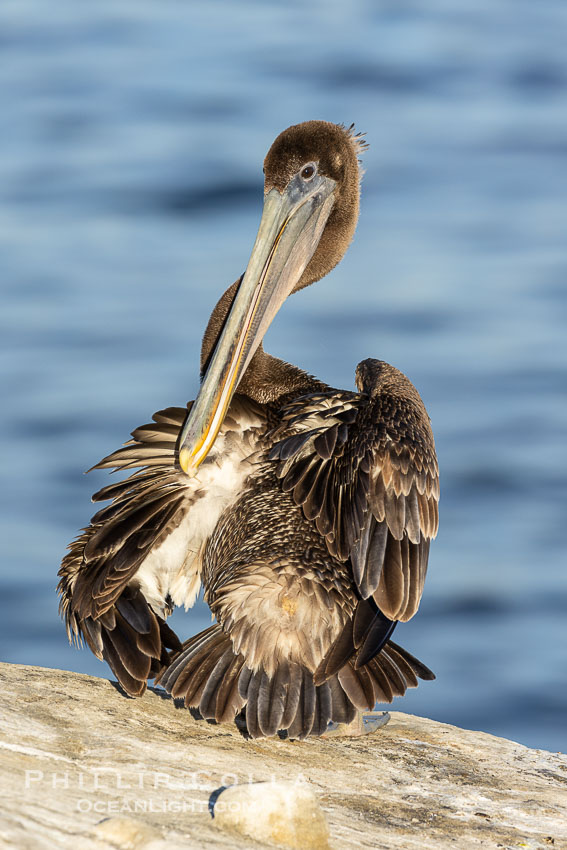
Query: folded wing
[363, 468]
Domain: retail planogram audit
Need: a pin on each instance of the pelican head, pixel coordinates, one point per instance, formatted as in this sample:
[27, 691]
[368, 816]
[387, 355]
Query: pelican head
[311, 202]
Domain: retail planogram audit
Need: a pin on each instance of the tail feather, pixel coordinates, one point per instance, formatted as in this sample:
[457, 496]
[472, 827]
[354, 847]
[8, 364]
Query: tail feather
[183, 658]
[352, 683]
[342, 709]
[393, 673]
[244, 682]
[323, 709]
[229, 702]
[252, 694]
[419, 668]
[304, 718]
[272, 700]
[209, 697]
[403, 665]
[366, 680]
[211, 677]
[193, 678]
[293, 694]
[382, 688]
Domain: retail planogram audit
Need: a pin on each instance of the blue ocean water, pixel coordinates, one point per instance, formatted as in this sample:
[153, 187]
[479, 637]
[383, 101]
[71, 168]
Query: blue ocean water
[132, 136]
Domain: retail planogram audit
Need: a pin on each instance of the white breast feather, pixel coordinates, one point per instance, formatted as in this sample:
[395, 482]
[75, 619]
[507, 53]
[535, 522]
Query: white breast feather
[174, 567]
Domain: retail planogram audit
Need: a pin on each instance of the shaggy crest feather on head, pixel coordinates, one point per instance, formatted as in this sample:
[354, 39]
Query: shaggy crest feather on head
[358, 141]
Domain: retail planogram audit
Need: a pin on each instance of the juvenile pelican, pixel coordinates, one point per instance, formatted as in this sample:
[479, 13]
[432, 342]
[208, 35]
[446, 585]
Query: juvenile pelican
[305, 512]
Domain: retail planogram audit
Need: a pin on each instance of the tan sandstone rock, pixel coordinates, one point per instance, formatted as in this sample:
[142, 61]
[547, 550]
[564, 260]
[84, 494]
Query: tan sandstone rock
[76, 754]
[126, 833]
[283, 813]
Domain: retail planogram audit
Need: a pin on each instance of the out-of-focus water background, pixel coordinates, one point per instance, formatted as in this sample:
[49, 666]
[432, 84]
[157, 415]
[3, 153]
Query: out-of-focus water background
[132, 136]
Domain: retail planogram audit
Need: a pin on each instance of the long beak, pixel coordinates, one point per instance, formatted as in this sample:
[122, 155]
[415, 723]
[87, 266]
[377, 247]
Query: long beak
[290, 230]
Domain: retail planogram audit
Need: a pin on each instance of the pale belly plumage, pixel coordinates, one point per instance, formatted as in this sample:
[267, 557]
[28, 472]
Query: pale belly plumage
[171, 573]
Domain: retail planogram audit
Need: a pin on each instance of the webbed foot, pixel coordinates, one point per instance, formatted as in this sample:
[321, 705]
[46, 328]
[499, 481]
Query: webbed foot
[364, 723]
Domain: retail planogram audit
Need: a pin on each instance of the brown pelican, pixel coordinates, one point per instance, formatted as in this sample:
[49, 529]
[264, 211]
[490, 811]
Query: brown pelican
[305, 512]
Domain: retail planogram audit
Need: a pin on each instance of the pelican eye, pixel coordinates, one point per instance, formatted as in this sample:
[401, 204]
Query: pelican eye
[308, 171]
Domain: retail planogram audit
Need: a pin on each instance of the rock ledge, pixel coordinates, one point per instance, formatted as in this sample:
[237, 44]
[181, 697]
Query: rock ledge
[83, 766]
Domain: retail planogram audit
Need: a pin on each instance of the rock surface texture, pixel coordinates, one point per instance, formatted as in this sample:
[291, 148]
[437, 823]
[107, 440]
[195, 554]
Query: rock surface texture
[82, 766]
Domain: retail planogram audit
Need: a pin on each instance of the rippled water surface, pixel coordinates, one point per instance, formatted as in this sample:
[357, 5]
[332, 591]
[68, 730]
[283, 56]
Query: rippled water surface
[132, 136]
